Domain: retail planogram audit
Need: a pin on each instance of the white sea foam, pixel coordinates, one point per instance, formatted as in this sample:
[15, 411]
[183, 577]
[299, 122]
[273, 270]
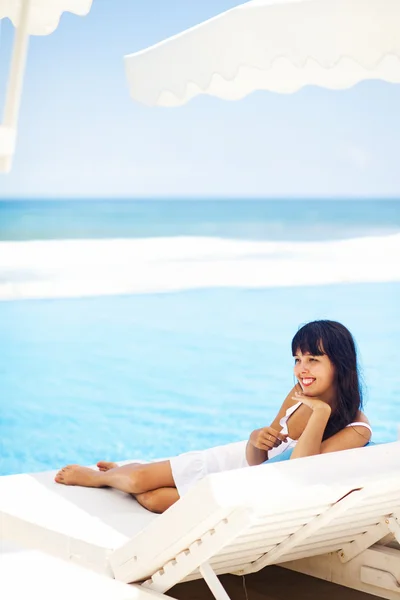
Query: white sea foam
[76, 268]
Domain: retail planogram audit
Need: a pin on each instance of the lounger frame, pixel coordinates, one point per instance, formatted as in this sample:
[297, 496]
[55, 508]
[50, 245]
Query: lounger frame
[335, 516]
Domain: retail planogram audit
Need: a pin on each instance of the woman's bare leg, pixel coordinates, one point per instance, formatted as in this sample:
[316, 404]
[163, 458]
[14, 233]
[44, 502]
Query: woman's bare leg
[158, 500]
[132, 479]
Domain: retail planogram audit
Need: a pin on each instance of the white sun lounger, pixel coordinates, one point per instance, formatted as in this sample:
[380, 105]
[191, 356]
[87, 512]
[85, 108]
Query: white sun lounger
[33, 574]
[323, 515]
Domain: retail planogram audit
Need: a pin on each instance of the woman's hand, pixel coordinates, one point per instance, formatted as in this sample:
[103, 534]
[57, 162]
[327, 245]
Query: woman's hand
[314, 403]
[266, 438]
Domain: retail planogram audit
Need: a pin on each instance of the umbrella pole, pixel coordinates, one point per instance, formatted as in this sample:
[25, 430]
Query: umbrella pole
[8, 129]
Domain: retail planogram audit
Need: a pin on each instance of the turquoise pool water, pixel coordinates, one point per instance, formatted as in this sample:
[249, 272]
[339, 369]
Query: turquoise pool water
[148, 376]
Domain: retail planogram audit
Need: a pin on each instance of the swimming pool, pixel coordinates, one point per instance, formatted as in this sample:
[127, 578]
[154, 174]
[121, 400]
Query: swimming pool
[153, 375]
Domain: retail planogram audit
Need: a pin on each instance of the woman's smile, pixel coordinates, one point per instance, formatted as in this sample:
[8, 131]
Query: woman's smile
[307, 381]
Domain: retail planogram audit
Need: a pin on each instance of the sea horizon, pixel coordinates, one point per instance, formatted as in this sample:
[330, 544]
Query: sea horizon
[203, 198]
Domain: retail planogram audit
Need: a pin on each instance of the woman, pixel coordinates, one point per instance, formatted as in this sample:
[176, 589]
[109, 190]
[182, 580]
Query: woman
[322, 413]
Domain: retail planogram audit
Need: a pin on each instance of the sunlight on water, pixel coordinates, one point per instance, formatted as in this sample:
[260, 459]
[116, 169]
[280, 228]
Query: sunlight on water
[74, 268]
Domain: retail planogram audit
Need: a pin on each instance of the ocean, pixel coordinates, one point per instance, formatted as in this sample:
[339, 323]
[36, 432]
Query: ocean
[142, 329]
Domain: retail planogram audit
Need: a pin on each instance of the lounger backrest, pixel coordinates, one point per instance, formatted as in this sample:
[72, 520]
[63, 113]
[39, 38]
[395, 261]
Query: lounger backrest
[241, 521]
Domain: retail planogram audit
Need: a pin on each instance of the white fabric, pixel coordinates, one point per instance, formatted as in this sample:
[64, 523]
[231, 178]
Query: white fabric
[360, 424]
[44, 15]
[277, 45]
[190, 467]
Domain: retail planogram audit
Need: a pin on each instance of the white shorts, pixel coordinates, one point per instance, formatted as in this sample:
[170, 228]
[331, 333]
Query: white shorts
[190, 467]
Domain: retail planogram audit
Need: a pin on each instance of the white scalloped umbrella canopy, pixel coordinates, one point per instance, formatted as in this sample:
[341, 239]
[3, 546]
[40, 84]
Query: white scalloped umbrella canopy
[44, 14]
[276, 45]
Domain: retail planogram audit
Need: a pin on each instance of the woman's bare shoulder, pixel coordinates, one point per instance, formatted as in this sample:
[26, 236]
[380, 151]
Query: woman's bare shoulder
[362, 418]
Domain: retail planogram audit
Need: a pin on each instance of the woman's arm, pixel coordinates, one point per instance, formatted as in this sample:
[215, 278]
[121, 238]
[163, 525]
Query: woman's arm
[266, 438]
[310, 440]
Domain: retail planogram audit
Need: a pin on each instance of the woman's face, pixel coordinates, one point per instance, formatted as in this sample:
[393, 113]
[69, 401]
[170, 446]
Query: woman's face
[315, 374]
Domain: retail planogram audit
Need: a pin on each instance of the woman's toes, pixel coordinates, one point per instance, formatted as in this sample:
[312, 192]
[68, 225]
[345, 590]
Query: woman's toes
[64, 474]
[104, 465]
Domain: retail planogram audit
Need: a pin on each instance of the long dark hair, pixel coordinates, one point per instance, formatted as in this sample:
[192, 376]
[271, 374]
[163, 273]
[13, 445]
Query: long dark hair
[334, 340]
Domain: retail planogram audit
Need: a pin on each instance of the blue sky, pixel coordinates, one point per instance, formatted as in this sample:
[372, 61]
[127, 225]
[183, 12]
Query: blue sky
[82, 136]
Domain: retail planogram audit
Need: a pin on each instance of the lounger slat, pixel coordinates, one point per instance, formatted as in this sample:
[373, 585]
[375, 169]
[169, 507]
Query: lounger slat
[280, 522]
[283, 525]
[355, 527]
[227, 566]
[324, 545]
[342, 531]
[339, 534]
[264, 534]
[311, 550]
[368, 513]
[247, 555]
[270, 541]
[353, 524]
[309, 554]
[262, 538]
[283, 531]
[261, 530]
[291, 516]
[377, 494]
[380, 505]
[320, 539]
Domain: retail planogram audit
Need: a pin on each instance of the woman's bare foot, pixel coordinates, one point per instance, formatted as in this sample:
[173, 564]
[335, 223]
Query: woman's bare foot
[76, 475]
[106, 466]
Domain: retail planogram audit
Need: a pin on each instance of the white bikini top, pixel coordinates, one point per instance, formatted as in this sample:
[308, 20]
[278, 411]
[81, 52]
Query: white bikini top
[291, 443]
